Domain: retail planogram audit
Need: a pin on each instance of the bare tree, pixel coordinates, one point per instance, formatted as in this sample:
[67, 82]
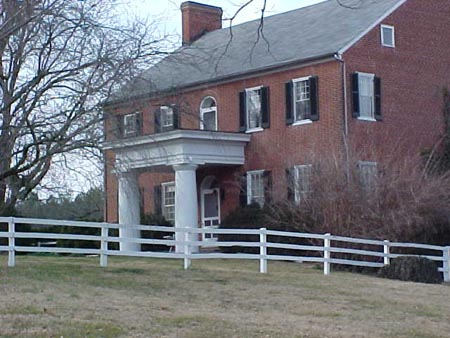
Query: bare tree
[59, 60]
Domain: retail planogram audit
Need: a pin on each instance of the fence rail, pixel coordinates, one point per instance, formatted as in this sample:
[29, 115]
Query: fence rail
[318, 248]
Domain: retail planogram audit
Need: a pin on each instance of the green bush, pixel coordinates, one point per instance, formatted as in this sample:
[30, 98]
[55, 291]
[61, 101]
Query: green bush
[413, 269]
[153, 219]
[255, 217]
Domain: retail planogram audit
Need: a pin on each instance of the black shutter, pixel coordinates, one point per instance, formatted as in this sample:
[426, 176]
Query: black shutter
[290, 181]
[377, 95]
[118, 126]
[157, 200]
[243, 191]
[314, 97]
[289, 111]
[138, 123]
[158, 120]
[176, 116]
[355, 94]
[267, 186]
[265, 107]
[242, 111]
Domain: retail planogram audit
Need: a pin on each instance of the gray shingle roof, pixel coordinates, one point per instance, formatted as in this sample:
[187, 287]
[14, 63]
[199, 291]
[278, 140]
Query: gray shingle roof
[302, 34]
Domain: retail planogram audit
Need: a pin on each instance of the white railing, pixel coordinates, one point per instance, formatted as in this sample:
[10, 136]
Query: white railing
[326, 248]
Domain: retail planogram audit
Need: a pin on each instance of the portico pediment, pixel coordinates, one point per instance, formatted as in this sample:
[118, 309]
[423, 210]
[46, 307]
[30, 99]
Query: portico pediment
[179, 147]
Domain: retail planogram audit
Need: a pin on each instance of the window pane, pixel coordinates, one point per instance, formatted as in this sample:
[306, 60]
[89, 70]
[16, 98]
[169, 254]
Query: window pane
[254, 108]
[388, 36]
[366, 99]
[168, 199]
[256, 188]
[167, 116]
[209, 120]
[302, 100]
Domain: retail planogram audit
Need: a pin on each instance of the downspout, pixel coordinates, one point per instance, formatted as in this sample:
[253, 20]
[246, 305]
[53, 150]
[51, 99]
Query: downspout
[339, 58]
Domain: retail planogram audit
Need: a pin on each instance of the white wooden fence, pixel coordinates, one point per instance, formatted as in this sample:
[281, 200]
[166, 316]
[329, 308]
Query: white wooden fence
[327, 250]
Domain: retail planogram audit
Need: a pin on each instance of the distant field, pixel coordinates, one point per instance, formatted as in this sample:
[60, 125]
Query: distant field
[73, 297]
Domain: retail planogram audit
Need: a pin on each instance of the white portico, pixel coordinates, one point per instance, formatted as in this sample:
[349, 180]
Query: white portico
[182, 150]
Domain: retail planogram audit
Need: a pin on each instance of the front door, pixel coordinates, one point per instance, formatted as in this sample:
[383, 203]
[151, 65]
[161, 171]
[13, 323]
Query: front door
[210, 211]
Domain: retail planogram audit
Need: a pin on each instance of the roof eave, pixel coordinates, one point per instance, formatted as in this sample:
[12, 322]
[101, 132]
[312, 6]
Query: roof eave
[233, 77]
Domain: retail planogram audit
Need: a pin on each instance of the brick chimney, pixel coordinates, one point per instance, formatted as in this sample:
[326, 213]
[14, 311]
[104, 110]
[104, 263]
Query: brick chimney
[198, 19]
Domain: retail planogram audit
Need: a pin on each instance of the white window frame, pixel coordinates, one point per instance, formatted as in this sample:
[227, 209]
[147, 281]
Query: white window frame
[364, 168]
[294, 101]
[299, 192]
[204, 111]
[168, 209]
[367, 116]
[164, 116]
[251, 181]
[247, 115]
[392, 31]
[130, 129]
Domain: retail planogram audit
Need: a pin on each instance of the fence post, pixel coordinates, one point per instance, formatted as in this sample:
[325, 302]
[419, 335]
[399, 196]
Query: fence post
[446, 264]
[386, 251]
[11, 243]
[104, 245]
[326, 254]
[263, 250]
[187, 249]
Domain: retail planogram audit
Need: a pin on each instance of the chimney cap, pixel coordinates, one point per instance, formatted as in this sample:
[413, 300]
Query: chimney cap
[199, 5]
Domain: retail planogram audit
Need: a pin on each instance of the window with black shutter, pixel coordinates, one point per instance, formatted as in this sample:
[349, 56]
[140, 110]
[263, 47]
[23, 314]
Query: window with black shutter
[254, 109]
[302, 100]
[366, 95]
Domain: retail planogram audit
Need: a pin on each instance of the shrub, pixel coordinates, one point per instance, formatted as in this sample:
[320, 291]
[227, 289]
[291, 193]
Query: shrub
[255, 217]
[413, 269]
[153, 219]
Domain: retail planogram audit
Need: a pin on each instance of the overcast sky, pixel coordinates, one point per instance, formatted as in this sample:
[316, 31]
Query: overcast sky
[168, 16]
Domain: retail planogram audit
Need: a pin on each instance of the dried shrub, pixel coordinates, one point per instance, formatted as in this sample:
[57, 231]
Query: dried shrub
[413, 269]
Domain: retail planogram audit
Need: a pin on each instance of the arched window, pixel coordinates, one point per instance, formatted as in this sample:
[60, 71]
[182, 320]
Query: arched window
[208, 114]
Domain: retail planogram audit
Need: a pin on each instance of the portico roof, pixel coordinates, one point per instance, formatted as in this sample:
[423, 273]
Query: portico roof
[179, 147]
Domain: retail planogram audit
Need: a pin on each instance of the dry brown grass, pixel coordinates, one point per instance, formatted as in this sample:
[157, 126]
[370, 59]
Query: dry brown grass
[73, 297]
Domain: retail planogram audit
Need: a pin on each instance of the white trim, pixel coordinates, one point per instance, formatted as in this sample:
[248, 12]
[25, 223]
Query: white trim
[366, 119]
[249, 184]
[164, 186]
[372, 26]
[254, 130]
[247, 116]
[297, 192]
[203, 218]
[392, 29]
[132, 131]
[301, 79]
[253, 88]
[294, 101]
[208, 110]
[302, 122]
[371, 76]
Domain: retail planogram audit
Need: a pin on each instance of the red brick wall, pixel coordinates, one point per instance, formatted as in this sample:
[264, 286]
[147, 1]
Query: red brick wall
[275, 148]
[412, 77]
[198, 19]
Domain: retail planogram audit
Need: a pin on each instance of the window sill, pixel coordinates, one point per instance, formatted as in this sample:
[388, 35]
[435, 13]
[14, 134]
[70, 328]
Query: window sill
[370, 119]
[253, 130]
[302, 122]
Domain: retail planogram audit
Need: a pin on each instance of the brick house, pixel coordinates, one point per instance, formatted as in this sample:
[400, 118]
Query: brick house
[221, 121]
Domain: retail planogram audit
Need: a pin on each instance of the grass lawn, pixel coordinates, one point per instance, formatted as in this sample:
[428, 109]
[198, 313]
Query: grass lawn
[73, 297]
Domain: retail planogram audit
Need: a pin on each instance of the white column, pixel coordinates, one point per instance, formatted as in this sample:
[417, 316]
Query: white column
[129, 213]
[186, 205]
